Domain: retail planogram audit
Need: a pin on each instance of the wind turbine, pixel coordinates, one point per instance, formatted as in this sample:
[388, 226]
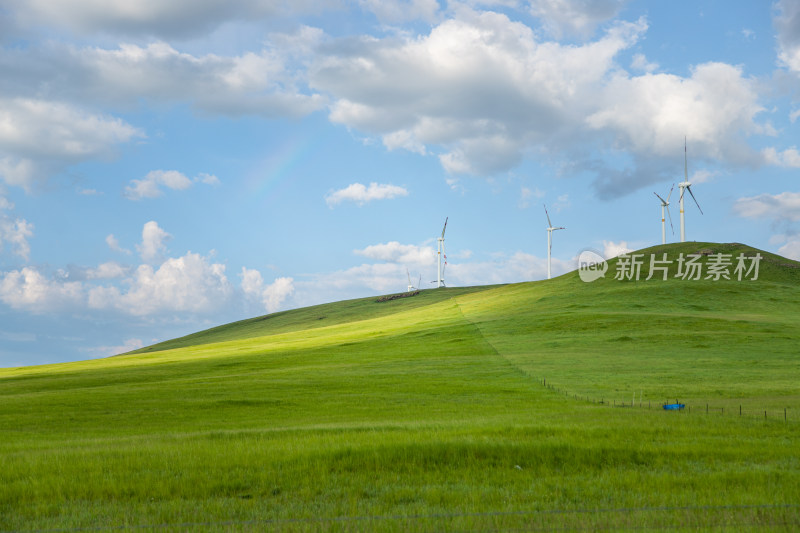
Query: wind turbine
[410, 286]
[440, 252]
[550, 230]
[665, 204]
[685, 185]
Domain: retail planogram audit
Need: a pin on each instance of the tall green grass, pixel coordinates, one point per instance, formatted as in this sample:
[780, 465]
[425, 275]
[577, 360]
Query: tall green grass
[427, 414]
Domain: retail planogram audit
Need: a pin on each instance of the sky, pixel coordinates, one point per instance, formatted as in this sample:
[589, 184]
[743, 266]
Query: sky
[166, 167]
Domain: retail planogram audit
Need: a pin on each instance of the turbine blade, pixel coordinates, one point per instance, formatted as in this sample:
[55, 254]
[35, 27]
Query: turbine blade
[549, 224]
[445, 226]
[685, 163]
[695, 199]
[670, 192]
[670, 221]
[662, 200]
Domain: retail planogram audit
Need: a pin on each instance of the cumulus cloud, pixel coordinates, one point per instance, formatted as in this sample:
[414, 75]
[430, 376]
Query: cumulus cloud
[128, 345]
[612, 249]
[30, 290]
[361, 194]
[394, 252]
[15, 233]
[39, 138]
[787, 22]
[151, 185]
[791, 249]
[190, 283]
[396, 11]
[651, 115]
[109, 270]
[176, 18]
[153, 244]
[513, 268]
[480, 88]
[783, 206]
[113, 243]
[270, 296]
[574, 17]
[789, 158]
[264, 83]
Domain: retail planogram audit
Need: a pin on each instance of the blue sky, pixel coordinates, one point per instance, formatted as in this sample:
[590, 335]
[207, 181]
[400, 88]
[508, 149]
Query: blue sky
[167, 167]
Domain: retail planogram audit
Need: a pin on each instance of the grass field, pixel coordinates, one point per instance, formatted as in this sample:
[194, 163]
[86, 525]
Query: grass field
[429, 413]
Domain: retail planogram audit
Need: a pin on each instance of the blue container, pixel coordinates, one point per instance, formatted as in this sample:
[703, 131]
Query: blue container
[674, 406]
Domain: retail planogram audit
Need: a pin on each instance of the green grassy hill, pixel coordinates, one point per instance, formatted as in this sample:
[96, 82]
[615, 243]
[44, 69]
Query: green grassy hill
[430, 413]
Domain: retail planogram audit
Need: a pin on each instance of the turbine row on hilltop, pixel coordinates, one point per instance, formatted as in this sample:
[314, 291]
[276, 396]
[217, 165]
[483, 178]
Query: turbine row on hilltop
[684, 186]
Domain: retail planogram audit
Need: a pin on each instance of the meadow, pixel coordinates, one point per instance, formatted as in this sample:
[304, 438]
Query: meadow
[457, 409]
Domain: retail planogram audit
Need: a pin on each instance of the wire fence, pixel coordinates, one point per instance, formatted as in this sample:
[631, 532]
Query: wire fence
[730, 409]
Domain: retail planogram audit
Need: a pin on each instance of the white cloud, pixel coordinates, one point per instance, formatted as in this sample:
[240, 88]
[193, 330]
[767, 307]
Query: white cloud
[703, 176]
[786, 22]
[783, 206]
[176, 18]
[361, 194]
[651, 114]
[110, 270]
[28, 289]
[149, 186]
[518, 267]
[39, 138]
[153, 242]
[395, 11]
[789, 158]
[185, 284]
[480, 88]
[271, 296]
[113, 243]
[260, 84]
[15, 232]
[791, 249]
[640, 62]
[128, 345]
[574, 17]
[394, 252]
[612, 249]
[366, 279]
[208, 179]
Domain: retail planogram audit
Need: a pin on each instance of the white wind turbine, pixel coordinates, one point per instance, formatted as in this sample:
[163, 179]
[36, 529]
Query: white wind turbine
[685, 185]
[440, 252]
[665, 204]
[411, 287]
[550, 230]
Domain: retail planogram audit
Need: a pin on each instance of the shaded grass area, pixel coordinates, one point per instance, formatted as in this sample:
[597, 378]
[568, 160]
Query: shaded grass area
[426, 415]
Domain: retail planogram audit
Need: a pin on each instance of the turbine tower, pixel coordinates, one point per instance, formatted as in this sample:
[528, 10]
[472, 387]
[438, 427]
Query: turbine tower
[440, 252]
[550, 230]
[665, 204]
[686, 186]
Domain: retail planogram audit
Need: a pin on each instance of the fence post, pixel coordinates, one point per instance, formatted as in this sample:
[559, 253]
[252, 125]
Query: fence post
[740, 410]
